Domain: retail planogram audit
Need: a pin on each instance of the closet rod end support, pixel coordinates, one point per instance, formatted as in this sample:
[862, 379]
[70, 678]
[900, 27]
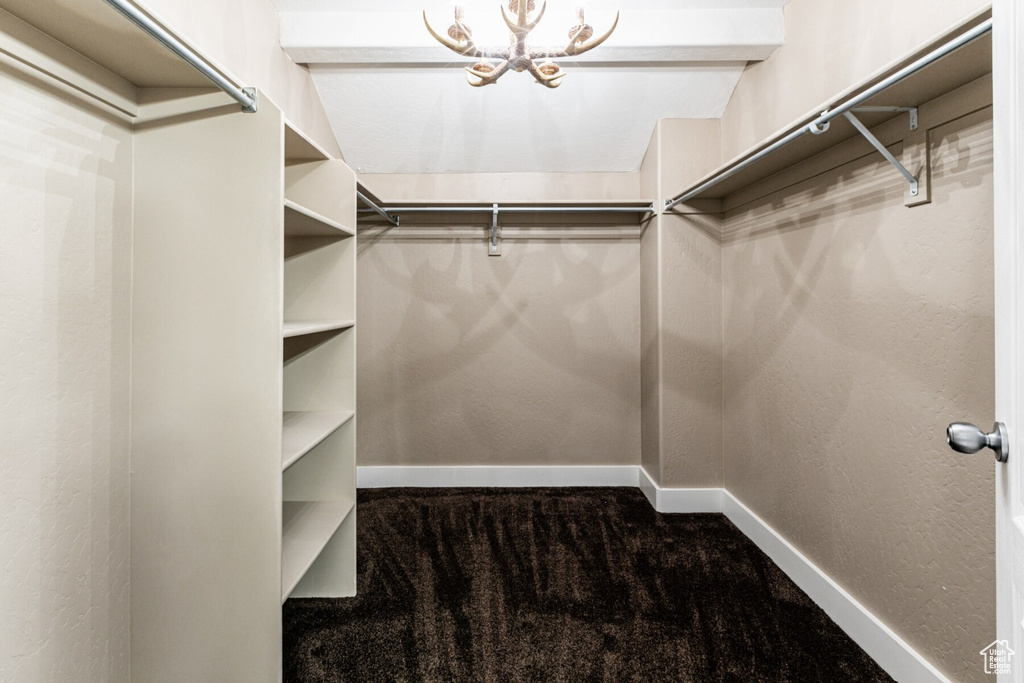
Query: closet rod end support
[819, 126]
[255, 97]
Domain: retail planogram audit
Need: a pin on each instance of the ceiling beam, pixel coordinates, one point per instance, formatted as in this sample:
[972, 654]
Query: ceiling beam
[648, 36]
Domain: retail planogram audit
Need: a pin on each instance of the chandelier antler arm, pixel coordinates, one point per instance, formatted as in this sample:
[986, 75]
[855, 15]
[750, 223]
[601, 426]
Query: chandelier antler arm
[573, 49]
[521, 27]
[468, 50]
[482, 78]
[552, 81]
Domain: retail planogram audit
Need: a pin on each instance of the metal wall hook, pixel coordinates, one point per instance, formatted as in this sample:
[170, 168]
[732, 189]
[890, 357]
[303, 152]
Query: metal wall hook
[494, 246]
[964, 437]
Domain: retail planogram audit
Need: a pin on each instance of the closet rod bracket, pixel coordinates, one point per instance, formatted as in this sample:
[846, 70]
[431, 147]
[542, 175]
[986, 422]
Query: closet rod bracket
[912, 111]
[819, 125]
[877, 144]
[255, 97]
[494, 245]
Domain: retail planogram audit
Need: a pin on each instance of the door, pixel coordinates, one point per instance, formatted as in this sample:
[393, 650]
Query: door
[1008, 53]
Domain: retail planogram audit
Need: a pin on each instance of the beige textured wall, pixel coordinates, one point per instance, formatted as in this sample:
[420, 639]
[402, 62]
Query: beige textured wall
[691, 341]
[530, 358]
[681, 321]
[855, 330]
[691, 316]
[527, 359]
[65, 277]
[650, 316]
[830, 45]
[243, 38]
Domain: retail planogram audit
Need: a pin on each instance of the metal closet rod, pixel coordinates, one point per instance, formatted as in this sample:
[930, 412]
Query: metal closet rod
[244, 96]
[819, 124]
[393, 220]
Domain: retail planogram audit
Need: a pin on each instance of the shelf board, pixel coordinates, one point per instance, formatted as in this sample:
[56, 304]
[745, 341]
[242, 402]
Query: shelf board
[303, 431]
[299, 328]
[306, 527]
[562, 212]
[640, 205]
[104, 36]
[299, 149]
[302, 222]
[965, 65]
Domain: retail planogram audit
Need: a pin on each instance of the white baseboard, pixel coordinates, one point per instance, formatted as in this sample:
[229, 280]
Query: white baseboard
[680, 500]
[894, 655]
[486, 475]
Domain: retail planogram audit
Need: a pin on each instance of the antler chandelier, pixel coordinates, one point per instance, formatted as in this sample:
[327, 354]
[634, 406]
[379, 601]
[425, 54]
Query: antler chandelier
[518, 56]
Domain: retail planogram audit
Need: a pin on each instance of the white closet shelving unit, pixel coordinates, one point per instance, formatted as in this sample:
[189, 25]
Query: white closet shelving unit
[243, 402]
[243, 351]
[318, 390]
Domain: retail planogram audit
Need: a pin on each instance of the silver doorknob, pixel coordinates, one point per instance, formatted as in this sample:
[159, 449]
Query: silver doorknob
[966, 438]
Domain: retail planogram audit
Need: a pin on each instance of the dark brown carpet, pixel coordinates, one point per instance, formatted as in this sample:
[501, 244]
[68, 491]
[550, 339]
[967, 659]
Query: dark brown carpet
[510, 585]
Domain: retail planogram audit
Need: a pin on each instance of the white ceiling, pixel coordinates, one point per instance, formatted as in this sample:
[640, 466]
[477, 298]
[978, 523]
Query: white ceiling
[407, 5]
[399, 102]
